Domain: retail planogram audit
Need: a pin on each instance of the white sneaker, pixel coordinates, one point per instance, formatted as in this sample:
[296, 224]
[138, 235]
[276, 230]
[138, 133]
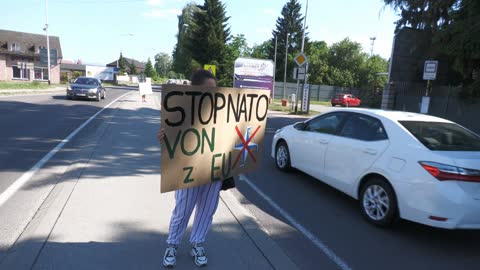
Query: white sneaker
[170, 257]
[199, 255]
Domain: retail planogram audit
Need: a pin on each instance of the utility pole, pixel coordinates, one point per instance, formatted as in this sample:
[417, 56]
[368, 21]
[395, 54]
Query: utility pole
[372, 44]
[285, 71]
[48, 39]
[274, 68]
[303, 47]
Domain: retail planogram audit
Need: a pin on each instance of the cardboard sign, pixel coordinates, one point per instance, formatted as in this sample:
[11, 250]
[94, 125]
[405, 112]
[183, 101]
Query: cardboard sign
[210, 134]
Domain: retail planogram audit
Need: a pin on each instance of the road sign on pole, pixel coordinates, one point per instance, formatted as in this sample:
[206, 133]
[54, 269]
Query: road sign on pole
[211, 68]
[430, 70]
[301, 59]
[299, 73]
[305, 97]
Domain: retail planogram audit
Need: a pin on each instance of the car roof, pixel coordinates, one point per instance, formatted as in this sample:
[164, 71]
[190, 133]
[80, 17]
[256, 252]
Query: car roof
[84, 77]
[395, 115]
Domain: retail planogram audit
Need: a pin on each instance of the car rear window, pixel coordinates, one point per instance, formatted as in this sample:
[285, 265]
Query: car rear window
[443, 136]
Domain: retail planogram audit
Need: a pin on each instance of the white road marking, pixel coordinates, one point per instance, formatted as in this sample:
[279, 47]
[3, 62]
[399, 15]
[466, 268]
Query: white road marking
[309, 235]
[30, 173]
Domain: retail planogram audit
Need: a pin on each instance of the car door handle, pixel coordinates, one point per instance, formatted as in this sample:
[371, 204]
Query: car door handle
[323, 141]
[370, 151]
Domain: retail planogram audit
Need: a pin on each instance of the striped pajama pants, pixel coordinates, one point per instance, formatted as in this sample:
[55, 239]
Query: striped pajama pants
[205, 199]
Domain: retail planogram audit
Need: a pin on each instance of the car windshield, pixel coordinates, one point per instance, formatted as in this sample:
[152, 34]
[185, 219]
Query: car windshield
[339, 96]
[443, 136]
[87, 81]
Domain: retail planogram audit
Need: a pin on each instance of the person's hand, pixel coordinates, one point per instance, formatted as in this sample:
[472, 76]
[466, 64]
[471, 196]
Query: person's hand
[161, 135]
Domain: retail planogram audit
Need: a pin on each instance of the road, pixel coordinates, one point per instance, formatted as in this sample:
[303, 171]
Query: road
[338, 235]
[31, 126]
[335, 220]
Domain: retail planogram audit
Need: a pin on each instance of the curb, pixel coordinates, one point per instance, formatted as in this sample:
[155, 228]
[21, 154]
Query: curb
[259, 235]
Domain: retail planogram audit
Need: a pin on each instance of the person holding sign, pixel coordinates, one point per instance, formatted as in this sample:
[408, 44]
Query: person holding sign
[204, 198]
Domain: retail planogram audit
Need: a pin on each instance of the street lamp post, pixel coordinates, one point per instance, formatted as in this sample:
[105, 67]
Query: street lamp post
[285, 70]
[48, 39]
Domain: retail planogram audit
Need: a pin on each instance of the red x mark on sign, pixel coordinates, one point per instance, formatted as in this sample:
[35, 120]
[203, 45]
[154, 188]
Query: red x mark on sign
[245, 145]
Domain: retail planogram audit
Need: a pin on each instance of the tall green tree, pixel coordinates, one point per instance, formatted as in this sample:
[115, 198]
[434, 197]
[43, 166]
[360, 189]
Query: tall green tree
[182, 56]
[237, 47]
[133, 69]
[455, 29]
[424, 14]
[345, 59]
[318, 62]
[289, 23]
[460, 40]
[163, 64]
[122, 64]
[210, 34]
[149, 70]
[262, 51]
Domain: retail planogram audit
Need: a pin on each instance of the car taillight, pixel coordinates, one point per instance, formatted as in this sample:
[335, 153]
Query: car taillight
[448, 172]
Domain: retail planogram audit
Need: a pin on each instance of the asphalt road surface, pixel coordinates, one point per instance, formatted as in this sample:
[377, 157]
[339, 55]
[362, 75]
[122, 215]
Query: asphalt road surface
[335, 221]
[32, 125]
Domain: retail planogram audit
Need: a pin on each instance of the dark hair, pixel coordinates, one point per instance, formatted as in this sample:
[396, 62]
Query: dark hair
[200, 76]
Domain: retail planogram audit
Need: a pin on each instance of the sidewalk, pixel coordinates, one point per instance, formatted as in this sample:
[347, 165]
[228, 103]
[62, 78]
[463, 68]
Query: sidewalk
[18, 92]
[112, 215]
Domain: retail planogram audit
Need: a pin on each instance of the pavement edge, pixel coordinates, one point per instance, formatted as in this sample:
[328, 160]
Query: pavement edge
[259, 235]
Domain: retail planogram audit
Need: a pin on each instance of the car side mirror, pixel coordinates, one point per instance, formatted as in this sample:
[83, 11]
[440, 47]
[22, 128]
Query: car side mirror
[300, 126]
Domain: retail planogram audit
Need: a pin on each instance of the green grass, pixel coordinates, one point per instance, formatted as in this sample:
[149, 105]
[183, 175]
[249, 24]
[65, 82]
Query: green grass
[26, 85]
[277, 107]
[324, 103]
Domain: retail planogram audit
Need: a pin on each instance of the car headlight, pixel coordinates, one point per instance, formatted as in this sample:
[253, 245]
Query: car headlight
[94, 90]
[69, 88]
[278, 131]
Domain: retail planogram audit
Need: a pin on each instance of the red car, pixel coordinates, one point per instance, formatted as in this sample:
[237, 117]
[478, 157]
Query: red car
[346, 100]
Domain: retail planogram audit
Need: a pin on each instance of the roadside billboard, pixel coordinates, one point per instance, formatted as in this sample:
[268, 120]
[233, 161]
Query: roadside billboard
[102, 73]
[254, 73]
[211, 134]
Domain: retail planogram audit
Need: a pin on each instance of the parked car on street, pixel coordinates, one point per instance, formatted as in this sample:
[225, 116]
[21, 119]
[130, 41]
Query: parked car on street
[397, 164]
[86, 87]
[346, 100]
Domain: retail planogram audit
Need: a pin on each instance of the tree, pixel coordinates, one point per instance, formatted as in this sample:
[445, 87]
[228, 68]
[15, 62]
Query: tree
[455, 29]
[345, 59]
[290, 22]
[424, 14]
[460, 40]
[149, 70]
[237, 47]
[163, 64]
[182, 56]
[210, 34]
[122, 64]
[262, 50]
[133, 69]
[318, 62]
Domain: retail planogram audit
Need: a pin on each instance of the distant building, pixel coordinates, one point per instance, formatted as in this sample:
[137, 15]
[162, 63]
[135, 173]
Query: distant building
[70, 71]
[20, 57]
[138, 65]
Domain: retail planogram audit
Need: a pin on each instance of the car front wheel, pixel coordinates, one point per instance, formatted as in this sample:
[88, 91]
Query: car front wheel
[378, 202]
[282, 157]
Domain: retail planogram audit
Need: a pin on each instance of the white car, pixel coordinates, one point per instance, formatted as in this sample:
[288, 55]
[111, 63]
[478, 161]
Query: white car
[397, 164]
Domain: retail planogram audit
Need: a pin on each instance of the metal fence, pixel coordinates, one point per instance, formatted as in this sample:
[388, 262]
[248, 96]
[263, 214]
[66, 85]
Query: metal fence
[317, 92]
[444, 102]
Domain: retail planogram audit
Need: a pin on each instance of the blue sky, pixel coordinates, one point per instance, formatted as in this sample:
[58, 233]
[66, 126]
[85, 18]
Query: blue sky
[95, 31]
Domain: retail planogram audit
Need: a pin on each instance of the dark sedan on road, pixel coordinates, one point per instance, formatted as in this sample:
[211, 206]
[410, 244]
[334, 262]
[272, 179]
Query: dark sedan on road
[86, 87]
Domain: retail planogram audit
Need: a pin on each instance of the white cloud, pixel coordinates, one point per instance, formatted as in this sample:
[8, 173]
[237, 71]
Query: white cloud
[163, 13]
[264, 30]
[155, 2]
[269, 11]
